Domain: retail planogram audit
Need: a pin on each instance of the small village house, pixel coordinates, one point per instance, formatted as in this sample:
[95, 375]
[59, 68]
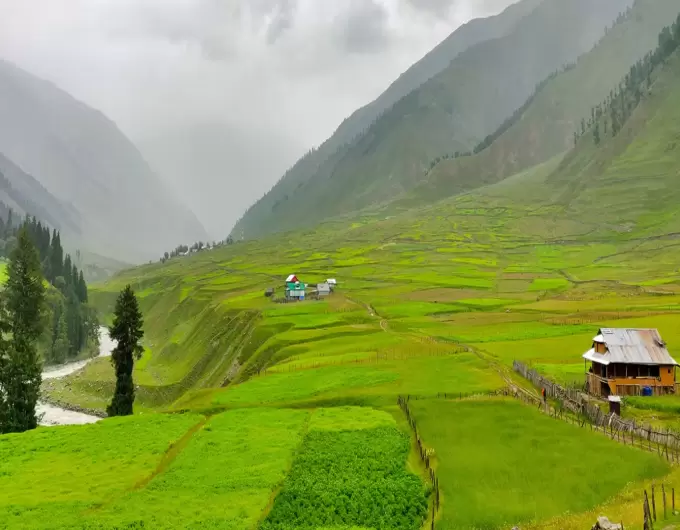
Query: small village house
[629, 362]
[332, 282]
[323, 289]
[295, 289]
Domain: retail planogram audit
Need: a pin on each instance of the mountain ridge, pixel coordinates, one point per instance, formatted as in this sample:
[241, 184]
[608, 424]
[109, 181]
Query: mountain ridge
[452, 111]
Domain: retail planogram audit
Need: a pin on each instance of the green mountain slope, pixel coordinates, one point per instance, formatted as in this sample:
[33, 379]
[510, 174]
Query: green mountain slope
[84, 160]
[470, 34]
[452, 111]
[546, 126]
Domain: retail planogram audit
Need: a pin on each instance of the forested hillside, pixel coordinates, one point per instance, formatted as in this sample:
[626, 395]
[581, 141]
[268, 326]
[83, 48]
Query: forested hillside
[453, 111]
[71, 325]
[94, 184]
[545, 126]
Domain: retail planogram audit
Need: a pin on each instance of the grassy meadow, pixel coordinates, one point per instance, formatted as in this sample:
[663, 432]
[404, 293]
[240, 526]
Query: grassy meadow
[502, 464]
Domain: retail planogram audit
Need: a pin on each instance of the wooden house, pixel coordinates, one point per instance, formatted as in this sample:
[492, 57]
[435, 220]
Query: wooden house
[629, 362]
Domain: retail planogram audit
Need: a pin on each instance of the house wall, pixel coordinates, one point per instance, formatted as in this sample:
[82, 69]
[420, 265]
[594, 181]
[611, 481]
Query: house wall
[623, 386]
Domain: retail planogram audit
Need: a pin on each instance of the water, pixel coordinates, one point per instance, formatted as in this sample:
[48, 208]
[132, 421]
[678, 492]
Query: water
[52, 415]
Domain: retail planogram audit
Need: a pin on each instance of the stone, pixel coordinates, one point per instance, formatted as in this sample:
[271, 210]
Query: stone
[603, 523]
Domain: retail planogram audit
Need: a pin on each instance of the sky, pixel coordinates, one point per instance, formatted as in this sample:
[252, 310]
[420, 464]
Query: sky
[222, 96]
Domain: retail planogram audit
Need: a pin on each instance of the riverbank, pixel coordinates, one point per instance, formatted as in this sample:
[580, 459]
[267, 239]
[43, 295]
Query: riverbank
[52, 412]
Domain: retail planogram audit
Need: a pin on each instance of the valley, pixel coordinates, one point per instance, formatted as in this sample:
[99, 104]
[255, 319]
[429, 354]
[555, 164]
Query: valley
[399, 394]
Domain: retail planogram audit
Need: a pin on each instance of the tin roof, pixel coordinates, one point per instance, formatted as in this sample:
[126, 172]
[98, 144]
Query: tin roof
[632, 346]
[291, 278]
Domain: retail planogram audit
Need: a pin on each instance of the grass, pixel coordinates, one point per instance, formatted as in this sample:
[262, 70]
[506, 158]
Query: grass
[370, 385]
[223, 479]
[49, 476]
[492, 456]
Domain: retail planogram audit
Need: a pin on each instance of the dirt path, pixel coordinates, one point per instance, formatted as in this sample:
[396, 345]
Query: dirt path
[171, 454]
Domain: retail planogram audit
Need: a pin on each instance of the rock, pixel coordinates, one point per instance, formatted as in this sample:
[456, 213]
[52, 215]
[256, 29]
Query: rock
[603, 523]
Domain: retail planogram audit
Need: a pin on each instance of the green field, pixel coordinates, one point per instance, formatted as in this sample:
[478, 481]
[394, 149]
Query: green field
[501, 464]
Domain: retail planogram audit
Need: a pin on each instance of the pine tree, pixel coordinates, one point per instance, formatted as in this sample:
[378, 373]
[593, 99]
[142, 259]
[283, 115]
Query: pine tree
[22, 303]
[67, 273]
[596, 133]
[74, 323]
[56, 257]
[82, 288]
[74, 278]
[61, 347]
[127, 330]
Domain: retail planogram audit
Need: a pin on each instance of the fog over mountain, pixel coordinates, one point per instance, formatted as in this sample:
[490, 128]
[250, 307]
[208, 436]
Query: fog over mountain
[222, 97]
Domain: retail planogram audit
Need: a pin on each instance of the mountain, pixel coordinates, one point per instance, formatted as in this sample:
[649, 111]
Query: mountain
[452, 111]
[544, 127]
[88, 166]
[468, 35]
[25, 195]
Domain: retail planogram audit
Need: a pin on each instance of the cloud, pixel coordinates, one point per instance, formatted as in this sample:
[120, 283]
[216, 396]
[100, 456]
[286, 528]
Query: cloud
[365, 27]
[272, 78]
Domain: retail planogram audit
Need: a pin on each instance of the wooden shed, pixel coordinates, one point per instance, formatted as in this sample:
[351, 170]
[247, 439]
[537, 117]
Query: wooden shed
[629, 362]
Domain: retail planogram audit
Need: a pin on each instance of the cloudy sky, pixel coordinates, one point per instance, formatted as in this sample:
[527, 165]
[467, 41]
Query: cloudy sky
[223, 95]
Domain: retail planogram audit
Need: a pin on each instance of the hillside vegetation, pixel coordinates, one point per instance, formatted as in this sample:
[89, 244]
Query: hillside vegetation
[452, 111]
[547, 125]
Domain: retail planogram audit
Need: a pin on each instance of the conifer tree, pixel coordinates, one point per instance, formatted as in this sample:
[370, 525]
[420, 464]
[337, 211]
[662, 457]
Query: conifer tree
[62, 346]
[22, 304]
[82, 288]
[127, 331]
[56, 256]
[67, 271]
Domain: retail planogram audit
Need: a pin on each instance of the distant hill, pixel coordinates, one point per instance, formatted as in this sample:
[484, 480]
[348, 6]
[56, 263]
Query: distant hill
[23, 194]
[546, 126]
[96, 185]
[452, 111]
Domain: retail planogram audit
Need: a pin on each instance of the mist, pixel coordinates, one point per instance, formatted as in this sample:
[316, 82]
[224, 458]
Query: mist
[222, 97]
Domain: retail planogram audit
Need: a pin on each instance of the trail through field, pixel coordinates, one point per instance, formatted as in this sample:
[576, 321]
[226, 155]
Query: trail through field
[51, 415]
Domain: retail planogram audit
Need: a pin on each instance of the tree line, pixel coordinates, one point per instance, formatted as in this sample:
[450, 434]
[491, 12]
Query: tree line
[22, 304]
[71, 325]
[199, 246]
[608, 118]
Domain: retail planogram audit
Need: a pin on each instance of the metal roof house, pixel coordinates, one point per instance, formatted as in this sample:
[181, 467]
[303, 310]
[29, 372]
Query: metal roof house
[323, 289]
[629, 362]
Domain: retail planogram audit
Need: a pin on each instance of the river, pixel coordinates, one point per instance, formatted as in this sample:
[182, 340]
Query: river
[52, 415]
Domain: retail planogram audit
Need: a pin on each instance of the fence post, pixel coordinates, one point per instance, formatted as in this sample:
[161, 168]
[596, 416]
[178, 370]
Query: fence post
[653, 504]
[663, 493]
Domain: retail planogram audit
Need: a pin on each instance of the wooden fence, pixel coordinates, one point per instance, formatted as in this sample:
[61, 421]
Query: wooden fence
[666, 442]
[424, 456]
